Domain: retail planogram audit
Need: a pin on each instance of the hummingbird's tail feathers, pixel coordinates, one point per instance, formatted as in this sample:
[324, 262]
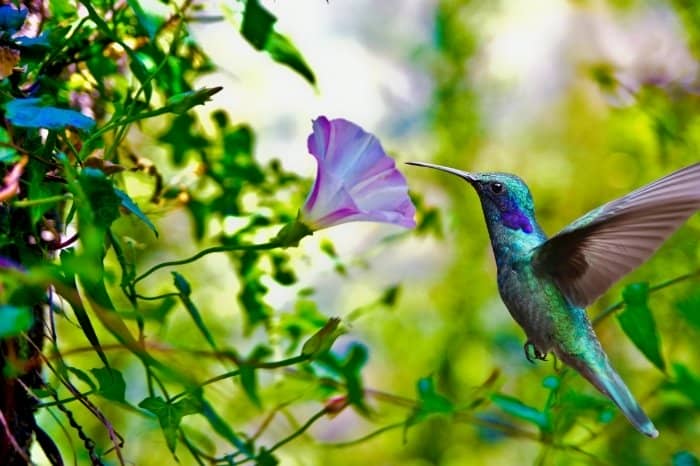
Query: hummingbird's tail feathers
[604, 378]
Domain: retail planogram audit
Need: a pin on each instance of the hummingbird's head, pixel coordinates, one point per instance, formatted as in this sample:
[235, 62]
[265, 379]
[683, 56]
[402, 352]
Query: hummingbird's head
[505, 198]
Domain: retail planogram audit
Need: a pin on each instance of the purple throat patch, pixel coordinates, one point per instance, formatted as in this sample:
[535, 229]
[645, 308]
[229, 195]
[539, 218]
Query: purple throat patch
[515, 220]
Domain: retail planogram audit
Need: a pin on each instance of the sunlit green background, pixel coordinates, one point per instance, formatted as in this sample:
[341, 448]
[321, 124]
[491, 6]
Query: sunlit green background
[585, 100]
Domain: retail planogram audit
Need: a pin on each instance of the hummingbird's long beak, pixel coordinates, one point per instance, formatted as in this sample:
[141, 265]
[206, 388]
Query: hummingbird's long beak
[464, 175]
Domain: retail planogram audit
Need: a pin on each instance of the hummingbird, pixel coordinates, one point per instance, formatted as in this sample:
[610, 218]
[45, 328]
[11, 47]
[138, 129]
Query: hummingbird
[546, 283]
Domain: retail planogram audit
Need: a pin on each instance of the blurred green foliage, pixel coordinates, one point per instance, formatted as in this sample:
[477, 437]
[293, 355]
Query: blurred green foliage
[145, 367]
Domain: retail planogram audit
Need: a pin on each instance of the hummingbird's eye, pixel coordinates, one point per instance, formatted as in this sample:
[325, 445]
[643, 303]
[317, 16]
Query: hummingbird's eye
[496, 187]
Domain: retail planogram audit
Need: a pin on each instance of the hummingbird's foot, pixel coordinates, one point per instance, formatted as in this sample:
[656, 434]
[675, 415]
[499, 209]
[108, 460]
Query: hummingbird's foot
[532, 353]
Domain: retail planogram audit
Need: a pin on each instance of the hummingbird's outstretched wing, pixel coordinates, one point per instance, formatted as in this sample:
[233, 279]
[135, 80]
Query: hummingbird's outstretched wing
[596, 250]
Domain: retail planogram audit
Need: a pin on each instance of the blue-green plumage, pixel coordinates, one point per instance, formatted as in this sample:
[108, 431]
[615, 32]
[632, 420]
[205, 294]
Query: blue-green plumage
[547, 282]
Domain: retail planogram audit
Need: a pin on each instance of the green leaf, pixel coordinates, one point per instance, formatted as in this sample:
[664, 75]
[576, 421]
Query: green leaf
[283, 273]
[184, 288]
[69, 264]
[181, 283]
[350, 370]
[258, 29]
[283, 51]
[638, 323]
[687, 383]
[328, 248]
[565, 407]
[181, 137]
[355, 361]
[390, 295]
[189, 405]
[222, 428]
[684, 458]
[154, 404]
[265, 458]
[252, 298]
[132, 207]
[7, 154]
[82, 376]
[322, 340]
[238, 167]
[14, 320]
[140, 73]
[182, 102]
[167, 417]
[170, 415]
[305, 319]
[103, 307]
[28, 113]
[101, 195]
[200, 212]
[89, 187]
[257, 24]
[148, 22]
[111, 382]
[248, 372]
[158, 312]
[430, 221]
[518, 409]
[250, 383]
[61, 8]
[39, 189]
[135, 64]
[689, 308]
[429, 401]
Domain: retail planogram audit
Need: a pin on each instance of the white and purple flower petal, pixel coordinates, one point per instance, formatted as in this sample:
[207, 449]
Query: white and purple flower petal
[355, 179]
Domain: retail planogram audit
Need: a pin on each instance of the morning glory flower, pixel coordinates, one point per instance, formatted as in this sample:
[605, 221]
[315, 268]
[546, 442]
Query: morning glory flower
[355, 181]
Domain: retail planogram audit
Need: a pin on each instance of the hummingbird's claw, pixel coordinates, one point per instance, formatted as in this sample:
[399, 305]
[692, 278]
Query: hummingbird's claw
[532, 353]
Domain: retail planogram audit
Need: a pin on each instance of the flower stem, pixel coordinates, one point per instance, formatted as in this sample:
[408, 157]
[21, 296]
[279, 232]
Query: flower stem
[288, 236]
[258, 365]
[318, 415]
[233, 247]
[45, 200]
[620, 304]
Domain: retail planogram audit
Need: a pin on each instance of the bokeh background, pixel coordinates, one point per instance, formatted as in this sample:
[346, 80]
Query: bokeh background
[585, 100]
